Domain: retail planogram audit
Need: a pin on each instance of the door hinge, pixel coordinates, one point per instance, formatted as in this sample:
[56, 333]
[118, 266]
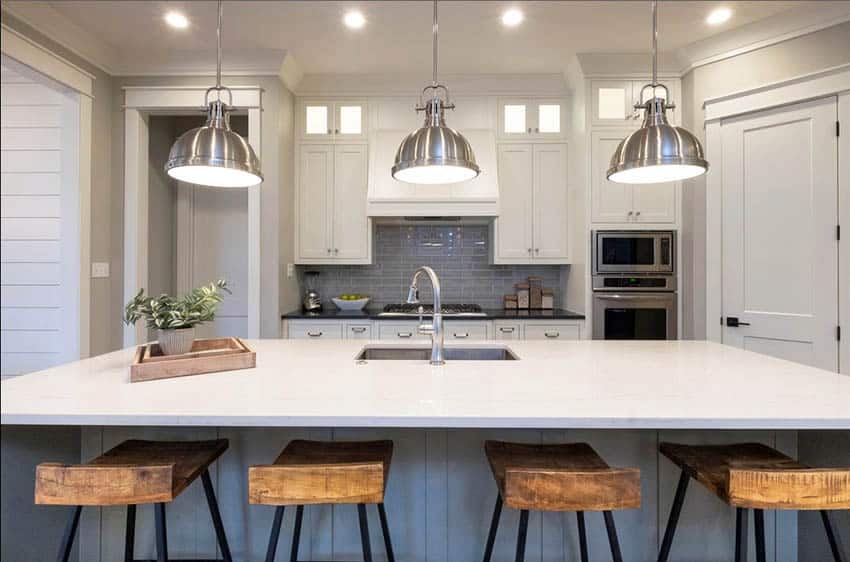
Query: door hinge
[838, 128]
[838, 232]
[721, 320]
[838, 333]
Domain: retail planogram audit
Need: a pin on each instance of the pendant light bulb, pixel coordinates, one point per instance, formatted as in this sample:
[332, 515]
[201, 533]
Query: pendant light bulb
[214, 155]
[657, 152]
[435, 153]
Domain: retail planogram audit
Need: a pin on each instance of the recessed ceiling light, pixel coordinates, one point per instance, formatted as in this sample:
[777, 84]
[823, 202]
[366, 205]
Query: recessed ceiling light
[354, 19]
[718, 16]
[512, 17]
[176, 20]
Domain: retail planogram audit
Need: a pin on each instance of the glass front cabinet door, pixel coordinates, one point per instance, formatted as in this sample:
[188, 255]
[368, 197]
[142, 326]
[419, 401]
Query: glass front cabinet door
[532, 119]
[332, 120]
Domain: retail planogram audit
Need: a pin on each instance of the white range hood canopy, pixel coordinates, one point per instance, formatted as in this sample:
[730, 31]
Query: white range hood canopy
[387, 197]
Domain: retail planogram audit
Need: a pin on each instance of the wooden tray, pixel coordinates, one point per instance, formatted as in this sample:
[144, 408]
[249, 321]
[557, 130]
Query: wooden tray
[207, 356]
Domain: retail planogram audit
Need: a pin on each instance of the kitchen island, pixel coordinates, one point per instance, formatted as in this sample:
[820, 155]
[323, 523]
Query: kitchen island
[622, 397]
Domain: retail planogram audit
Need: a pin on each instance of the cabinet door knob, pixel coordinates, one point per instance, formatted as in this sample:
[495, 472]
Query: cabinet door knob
[336, 250]
[536, 129]
[631, 213]
[536, 250]
[329, 250]
[529, 251]
[637, 213]
[529, 129]
[330, 131]
[336, 131]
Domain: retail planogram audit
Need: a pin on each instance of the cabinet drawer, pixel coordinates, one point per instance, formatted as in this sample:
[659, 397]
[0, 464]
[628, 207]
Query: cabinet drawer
[358, 331]
[553, 331]
[399, 331]
[506, 331]
[466, 330]
[314, 330]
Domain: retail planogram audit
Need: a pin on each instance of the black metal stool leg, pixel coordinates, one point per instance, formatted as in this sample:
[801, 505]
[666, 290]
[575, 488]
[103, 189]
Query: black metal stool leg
[758, 517]
[274, 536]
[616, 555]
[364, 532]
[740, 534]
[830, 535]
[385, 530]
[161, 533]
[296, 534]
[130, 533]
[582, 536]
[673, 520]
[68, 537]
[494, 526]
[216, 517]
[522, 534]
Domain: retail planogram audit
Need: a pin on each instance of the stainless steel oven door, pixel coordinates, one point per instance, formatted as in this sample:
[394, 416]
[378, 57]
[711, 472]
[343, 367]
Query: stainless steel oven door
[634, 316]
[633, 252]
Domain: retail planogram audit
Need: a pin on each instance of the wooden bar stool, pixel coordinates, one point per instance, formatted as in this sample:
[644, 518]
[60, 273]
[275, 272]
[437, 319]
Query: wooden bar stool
[324, 472]
[755, 476]
[564, 477]
[135, 472]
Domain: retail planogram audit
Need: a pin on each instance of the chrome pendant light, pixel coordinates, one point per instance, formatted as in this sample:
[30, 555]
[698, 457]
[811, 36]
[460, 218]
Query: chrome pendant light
[435, 153]
[657, 152]
[214, 155]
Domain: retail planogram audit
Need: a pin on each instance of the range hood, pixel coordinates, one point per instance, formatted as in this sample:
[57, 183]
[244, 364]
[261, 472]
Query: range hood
[387, 197]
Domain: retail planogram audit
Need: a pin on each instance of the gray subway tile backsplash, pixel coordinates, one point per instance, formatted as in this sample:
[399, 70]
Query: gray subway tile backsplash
[459, 255]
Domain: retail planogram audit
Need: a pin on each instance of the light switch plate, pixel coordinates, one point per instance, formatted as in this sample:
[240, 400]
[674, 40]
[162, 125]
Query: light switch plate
[99, 269]
[290, 270]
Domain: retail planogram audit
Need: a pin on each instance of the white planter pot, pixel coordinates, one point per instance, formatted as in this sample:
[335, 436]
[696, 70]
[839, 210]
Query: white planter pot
[176, 342]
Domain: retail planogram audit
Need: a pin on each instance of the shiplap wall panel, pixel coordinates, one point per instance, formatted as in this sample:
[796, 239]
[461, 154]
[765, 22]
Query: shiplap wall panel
[30, 206]
[31, 251]
[31, 184]
[32, 132]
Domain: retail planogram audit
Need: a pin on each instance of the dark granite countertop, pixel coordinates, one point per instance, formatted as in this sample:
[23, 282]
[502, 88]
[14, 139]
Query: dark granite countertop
[330, 312]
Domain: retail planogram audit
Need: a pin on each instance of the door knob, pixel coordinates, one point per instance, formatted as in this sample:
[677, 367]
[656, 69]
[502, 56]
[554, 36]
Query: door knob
[733, 322]
[637, 213]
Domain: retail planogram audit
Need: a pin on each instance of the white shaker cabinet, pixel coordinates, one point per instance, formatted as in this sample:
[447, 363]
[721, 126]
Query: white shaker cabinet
[331, 221]
[532, 119]
[618, 203]
[612, 101]
[332, 120]
[532, 226]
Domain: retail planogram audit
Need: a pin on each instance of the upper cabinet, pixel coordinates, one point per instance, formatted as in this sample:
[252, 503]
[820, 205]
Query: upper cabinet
[529, 118]
[613, 101]
[532, 226]
[619, 203]
[332, 120]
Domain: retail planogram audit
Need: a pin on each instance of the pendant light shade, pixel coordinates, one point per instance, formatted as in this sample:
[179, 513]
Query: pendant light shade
[214, 155]
[657, 152]
[435, 153]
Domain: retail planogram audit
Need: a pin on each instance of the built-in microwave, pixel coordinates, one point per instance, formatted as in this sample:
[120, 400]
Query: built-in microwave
[633, 251]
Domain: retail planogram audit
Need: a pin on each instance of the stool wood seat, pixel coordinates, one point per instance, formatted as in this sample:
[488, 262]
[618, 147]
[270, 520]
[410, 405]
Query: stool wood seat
[558, 477]
[755, 476]
[134, 472]
[324, 472]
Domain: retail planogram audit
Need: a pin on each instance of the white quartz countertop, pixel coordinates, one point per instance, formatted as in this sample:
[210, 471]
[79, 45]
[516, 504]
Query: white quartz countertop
[571, 384]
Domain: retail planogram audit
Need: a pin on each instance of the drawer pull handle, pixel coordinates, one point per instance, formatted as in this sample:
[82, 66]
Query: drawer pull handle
[506, 330]
[461, 336]
[358, 330]
[405, 334]
[314, 334]
[552, 334]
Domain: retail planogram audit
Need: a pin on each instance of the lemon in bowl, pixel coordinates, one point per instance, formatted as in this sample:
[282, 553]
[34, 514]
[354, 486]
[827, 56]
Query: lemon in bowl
[351, 301]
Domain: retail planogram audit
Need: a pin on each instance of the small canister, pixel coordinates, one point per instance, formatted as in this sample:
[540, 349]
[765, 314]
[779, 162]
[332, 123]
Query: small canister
[522, 295]
[510, 302]
[548, 299]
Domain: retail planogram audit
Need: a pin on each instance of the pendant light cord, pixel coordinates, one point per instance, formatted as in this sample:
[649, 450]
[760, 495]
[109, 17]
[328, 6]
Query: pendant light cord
[218, 60]
[435, 29]
[654, 42]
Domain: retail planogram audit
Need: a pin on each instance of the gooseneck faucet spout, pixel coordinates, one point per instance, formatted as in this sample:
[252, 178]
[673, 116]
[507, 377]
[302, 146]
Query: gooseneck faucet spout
[435, 328]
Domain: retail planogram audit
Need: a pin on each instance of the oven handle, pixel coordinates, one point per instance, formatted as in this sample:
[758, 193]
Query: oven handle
[635, 297]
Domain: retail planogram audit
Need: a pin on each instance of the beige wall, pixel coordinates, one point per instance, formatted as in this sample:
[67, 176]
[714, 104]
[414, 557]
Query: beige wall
[105, 246]
[289, 292]
[803, 55]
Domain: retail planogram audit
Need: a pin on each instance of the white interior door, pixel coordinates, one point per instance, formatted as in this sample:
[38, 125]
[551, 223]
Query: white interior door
[551, 201]
[212, 244]
[844, 219]
[40, 239]
[780, 253]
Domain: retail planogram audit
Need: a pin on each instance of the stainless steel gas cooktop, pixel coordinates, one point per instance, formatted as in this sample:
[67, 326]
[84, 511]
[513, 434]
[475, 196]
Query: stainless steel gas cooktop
[427, 310]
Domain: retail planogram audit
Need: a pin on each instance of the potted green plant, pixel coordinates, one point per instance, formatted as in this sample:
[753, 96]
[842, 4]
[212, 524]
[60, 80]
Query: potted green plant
[174, 319]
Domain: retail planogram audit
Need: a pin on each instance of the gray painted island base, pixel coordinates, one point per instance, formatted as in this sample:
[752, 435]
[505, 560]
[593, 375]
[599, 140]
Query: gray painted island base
[439, 499]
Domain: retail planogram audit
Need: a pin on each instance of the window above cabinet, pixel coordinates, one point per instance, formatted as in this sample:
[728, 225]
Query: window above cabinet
[532, 119]
[332, 120]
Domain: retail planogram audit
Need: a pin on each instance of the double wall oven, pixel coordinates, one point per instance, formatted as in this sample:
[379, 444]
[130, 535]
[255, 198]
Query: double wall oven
[634, 285]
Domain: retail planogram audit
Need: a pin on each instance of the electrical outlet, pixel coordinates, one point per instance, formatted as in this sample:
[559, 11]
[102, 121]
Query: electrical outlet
[99, 269]
[290, 270]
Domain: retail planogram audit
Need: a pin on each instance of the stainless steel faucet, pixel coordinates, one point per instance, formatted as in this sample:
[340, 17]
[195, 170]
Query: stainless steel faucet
[435, 328]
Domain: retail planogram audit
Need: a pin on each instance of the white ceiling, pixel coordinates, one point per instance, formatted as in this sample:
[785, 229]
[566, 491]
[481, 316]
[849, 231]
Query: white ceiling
[130, 37]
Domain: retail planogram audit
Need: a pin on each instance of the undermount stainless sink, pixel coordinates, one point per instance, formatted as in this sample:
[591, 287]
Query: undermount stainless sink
[394, 353]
